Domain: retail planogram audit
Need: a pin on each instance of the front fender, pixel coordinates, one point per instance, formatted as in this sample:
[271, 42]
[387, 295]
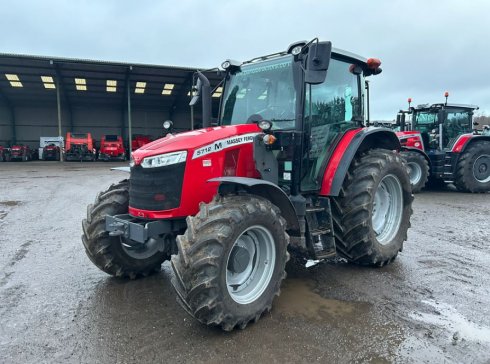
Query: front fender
[264, 189]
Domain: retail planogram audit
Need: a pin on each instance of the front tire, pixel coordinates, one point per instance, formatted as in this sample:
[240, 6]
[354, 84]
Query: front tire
[231, 260]
[108, 252]
[473, 168]
[418, 170]
[372, 213]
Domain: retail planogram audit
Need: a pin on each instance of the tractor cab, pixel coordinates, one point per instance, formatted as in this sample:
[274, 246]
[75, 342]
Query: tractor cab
[441, 124]
[306, 107]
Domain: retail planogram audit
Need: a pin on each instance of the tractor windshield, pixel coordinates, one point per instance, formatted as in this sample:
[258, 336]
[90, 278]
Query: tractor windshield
[259, 91]
[425, 121]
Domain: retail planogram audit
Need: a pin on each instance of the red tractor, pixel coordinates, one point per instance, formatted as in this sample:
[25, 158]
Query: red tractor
[139, 140]
[21, 152]
[112, 148]
[289, 169]
[51, 152]
[440, 146]
[4, 154]
[79, 147]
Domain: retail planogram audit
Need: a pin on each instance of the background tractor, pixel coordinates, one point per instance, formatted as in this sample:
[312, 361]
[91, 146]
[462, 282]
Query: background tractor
[21, 152]
[112, 148]
[288, 169]
[51, 152]
[440, 145]
[4, 154]
[80, 147]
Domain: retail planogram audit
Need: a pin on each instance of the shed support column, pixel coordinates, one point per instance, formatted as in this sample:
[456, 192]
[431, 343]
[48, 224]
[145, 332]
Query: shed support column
[58, 105]
[130, 136]
[14, 131]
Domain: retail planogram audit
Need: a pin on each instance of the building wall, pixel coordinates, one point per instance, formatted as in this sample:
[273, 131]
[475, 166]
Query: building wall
[34, 122]
[5, 126]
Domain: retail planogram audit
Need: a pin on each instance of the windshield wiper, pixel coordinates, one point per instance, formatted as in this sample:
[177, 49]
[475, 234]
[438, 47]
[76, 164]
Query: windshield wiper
[282, 119]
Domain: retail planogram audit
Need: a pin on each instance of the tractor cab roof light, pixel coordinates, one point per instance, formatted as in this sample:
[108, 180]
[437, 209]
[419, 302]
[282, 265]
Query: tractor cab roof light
[373, 63]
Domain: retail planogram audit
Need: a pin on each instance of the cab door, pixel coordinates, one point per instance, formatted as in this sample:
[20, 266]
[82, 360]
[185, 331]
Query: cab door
[331, 108]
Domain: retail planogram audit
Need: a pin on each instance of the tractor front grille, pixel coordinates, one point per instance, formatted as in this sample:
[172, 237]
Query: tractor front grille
[156, 189]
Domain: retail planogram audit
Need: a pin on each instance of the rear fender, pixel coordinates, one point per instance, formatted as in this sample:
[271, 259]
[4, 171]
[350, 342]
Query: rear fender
[264, 189]
[464, 141]
[354, 142]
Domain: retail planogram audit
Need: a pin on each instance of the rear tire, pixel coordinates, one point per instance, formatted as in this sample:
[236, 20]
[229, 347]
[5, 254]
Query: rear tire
[107, 252]
[473, 168]
[209, 285]
[418, 169]
[364, 235]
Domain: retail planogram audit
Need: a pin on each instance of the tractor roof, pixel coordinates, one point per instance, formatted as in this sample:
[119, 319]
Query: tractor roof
[349, 55]
[336, 53]
[446, 106]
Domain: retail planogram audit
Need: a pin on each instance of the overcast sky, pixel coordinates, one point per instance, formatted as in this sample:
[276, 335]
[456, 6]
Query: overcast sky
[426, 47]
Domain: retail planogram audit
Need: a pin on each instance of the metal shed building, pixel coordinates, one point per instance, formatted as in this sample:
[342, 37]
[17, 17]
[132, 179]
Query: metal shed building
[41, 95]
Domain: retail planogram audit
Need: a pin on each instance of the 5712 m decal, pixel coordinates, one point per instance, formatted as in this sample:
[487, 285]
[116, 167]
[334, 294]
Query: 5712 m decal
[223, 144]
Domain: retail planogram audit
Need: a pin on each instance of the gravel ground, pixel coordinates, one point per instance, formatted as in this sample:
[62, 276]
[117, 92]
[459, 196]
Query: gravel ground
[430, 305]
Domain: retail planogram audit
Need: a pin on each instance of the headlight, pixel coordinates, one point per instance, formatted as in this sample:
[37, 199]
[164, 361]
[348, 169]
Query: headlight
[265, 125]
[164, 159]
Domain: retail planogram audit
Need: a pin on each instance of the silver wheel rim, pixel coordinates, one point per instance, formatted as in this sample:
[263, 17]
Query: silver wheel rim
[414, 172]
[387, 209]
[481, 168]
[250, 264]
[145, 251]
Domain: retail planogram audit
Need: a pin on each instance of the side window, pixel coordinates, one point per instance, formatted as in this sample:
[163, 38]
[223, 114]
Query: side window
[457, 122]
[330, 108]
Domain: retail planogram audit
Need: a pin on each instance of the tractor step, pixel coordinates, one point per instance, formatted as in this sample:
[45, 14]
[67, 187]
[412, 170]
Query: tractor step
[320, 229]
[315, 209]
[320, 232]
[325, 255]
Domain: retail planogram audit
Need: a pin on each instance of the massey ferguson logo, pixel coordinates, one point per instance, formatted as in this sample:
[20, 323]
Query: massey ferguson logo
[223, 144]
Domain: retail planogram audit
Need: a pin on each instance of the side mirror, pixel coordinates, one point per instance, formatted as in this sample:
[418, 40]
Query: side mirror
[317, 62]
[202, 89]
[475, 123]
[196, 92]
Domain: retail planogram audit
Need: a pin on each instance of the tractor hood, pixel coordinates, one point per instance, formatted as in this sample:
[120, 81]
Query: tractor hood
[193, 140]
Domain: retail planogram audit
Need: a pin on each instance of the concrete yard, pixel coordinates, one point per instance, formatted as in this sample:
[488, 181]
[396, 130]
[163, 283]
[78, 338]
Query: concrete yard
[430, 305]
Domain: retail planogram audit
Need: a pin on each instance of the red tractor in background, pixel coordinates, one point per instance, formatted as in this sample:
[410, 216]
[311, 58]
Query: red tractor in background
[112, 148]
[441, 146]
[79, 147]
[21, 152]
[51, 152]
[139, 140]
[4, 154]
[290, 168]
